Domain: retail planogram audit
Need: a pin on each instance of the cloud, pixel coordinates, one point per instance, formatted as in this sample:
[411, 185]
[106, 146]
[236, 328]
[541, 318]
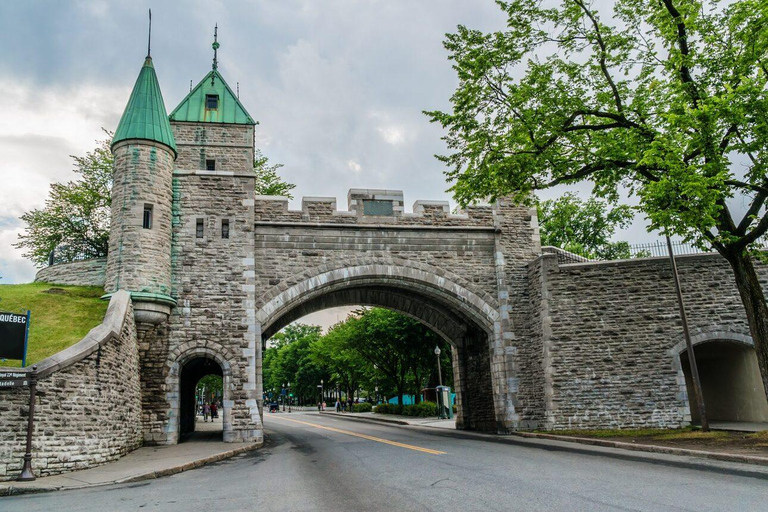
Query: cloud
[354, 166]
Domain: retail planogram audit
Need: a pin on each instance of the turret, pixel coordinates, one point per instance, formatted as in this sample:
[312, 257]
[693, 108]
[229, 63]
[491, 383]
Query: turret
[144, 152]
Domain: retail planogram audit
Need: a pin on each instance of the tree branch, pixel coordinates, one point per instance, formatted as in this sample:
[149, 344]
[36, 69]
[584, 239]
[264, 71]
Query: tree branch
[603, 52]
[682, 44]
[754, 209]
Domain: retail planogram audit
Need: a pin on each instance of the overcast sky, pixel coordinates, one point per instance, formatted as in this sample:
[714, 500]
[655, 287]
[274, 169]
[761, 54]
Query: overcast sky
[337, 87]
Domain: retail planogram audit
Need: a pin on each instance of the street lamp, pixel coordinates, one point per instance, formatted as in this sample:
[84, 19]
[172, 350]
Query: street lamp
[283, 397]
[289, 397]
[439, 372]
[321, 394]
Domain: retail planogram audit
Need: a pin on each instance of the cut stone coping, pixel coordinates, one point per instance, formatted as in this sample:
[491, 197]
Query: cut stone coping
[141, 464]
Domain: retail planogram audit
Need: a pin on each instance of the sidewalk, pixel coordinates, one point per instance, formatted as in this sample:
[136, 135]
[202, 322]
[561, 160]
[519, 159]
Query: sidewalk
[142, 464]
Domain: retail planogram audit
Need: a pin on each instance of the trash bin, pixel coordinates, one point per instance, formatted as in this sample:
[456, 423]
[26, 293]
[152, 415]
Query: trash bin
[444, 405]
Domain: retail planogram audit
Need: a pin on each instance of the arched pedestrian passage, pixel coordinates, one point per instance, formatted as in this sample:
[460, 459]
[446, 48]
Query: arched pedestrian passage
[730, 379]
[463, 319]
[191, 373]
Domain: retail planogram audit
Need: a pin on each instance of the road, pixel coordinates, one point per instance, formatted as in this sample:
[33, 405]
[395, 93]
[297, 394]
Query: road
[314, 462]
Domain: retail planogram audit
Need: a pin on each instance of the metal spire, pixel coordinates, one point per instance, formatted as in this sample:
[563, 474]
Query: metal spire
[215, 47]
[149, 37]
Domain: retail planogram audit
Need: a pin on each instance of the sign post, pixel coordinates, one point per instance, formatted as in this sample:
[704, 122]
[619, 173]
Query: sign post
[14, 333]
[26, 472]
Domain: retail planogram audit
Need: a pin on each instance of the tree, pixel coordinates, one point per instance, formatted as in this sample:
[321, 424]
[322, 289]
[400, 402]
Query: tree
[268, 182]
[75, 219]
[668, 103]
[583, 227]
[290, 360]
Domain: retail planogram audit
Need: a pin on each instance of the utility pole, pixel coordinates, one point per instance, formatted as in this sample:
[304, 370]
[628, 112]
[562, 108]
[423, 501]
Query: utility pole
[686, 333]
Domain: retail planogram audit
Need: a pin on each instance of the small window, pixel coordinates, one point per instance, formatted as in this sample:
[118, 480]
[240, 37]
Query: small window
[147, 220]
[224, 228]
[211, 101]
[200, 230]
[210, 165]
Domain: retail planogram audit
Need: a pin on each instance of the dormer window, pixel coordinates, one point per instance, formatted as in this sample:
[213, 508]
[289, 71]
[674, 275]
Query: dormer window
[211, 101]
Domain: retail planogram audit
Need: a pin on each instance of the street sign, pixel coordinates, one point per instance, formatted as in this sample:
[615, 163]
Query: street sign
[13, 379]
[14, 329]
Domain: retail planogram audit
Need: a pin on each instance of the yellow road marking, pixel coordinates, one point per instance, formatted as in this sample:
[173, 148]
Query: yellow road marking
[363, 436]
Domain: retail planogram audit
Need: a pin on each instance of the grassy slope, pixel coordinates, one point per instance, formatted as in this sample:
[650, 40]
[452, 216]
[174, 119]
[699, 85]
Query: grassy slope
[58, 320]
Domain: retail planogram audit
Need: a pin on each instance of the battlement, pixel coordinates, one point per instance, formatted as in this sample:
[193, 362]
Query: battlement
[370, 206]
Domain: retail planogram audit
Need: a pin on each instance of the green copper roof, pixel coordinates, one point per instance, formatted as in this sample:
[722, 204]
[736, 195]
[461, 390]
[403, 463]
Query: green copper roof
[145, 116]
[194, 109]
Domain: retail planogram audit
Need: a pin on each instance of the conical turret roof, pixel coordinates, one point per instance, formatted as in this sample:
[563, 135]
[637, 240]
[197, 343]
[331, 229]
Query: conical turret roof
[145, 116]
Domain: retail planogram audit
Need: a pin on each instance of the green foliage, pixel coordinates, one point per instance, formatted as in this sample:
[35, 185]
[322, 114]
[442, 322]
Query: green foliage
[667, 101]
[421, 410]
[213, 386]
[61, 315]
[290, 359]
[268, 182]
[664, 102]
[75, 219]
[583, 227]
[372, 348]
[362, 407]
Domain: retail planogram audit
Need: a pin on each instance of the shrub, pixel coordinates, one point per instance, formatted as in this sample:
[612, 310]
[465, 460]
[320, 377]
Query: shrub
[387, 408]
[424, 410]
[363, 407]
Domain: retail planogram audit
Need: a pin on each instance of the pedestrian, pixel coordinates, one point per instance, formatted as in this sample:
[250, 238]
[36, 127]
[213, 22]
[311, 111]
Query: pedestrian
[319, 405]
[323, 405]
[338, 405]
[350, 405]
[214, 411]
[206, 411]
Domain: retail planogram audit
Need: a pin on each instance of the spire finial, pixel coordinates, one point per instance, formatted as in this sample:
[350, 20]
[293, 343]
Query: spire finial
[149, 37]
[215, 46]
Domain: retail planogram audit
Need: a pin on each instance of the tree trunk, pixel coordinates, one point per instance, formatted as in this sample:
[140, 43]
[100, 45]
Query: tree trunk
[753, 299]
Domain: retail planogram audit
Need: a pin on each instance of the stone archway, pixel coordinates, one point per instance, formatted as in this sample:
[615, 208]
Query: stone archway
[730, 377]
[462, 318]
[187, 368]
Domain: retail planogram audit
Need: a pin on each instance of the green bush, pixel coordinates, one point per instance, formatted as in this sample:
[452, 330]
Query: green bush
[422, 410]
[363, 407]
[387, 408]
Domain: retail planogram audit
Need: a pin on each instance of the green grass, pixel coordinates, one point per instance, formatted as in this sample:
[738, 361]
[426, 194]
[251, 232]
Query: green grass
[657, 434]
[58, 320]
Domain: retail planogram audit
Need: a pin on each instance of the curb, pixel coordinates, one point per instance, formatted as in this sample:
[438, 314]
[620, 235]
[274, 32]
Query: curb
[661, 450]
[665, 450]
[9, 488]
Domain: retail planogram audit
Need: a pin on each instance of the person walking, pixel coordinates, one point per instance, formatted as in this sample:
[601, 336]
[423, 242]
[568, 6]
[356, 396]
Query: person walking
[214, 411]
[206, 411]
[338, 405]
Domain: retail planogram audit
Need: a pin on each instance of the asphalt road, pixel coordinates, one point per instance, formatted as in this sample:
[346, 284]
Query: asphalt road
[313, 462]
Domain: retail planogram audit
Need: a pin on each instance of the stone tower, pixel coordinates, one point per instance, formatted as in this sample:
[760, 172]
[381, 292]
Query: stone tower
[144, 150]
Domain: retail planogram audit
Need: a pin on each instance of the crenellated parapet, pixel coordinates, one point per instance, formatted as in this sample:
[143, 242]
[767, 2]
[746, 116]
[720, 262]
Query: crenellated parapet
[371, 207]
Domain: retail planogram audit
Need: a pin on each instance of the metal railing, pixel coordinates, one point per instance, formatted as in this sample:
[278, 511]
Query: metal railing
[646, 250]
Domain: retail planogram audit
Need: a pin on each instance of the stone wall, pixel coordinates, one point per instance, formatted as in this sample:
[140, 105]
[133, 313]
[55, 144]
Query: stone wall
[213, 283]
[88, 408]
[609, 336]
[229, 145]
[78, 273]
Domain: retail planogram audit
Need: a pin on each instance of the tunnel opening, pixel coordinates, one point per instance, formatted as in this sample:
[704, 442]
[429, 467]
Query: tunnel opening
[449, 318]
[194, 397]
[730, 381]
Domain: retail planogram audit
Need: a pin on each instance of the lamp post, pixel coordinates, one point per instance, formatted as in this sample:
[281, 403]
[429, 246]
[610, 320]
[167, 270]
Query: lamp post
[289, 397]
[284, 395]
[439, 372]
[321, 394]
